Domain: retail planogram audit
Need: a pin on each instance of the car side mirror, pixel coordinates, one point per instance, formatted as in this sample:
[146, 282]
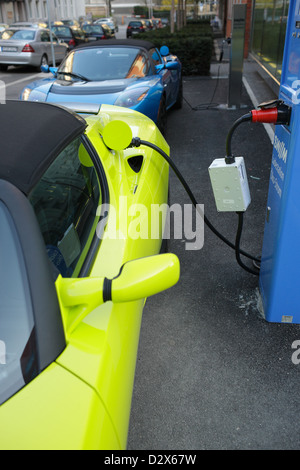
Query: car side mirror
[47, 69]
[137, 280]
[159, 67]
[172, 65]
[53, 70]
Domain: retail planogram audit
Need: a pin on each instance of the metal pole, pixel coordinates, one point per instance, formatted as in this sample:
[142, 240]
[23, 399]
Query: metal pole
[237, 55]
[51, 37]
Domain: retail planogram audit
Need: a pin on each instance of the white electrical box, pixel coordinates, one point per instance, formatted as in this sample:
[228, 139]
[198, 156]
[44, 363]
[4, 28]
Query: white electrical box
[230, 185]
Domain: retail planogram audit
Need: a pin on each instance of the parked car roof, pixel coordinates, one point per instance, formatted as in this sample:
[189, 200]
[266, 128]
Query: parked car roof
[26, 154]
[119, 42]
[27, 24]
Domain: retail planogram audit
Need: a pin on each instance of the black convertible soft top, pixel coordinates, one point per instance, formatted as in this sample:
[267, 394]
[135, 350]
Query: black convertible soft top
[117, 42]
[32, 134]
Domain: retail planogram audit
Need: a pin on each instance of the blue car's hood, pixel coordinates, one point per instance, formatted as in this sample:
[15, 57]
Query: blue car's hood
[106, 91]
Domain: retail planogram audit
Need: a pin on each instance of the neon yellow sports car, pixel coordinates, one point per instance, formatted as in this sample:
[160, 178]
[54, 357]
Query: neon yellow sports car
[77, 263]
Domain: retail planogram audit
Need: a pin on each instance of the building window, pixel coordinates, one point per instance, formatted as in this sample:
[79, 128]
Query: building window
[269, 28]
[37, 8]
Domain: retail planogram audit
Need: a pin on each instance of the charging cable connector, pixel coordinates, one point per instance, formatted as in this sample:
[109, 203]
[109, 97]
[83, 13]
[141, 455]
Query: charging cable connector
[272, 112]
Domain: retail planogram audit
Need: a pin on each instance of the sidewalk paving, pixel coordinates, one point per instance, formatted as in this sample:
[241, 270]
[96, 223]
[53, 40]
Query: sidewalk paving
[211, 372]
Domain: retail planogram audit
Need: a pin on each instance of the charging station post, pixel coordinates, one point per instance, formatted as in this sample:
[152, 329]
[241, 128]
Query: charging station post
[280, 262]
[237, 55]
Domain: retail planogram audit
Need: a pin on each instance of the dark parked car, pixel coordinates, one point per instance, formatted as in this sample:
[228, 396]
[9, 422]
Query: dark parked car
[70, 36]
[74, 24]
[98, 31]
[135, 27]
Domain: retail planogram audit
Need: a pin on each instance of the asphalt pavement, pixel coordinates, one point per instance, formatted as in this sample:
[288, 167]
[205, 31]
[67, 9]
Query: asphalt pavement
[212, 373]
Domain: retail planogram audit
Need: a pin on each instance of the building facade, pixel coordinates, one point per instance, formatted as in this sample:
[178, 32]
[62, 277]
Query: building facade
[11, 11]
[36, 10]
[266, 24]
[268, 35]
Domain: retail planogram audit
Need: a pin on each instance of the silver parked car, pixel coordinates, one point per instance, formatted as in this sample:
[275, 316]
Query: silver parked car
[29, 46]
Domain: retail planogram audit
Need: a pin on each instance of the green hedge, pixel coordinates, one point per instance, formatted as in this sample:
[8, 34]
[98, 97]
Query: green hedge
[193, 45]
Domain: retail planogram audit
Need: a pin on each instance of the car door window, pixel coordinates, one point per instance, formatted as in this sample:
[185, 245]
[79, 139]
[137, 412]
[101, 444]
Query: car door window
[65, 202]
[45, 37]
[18, 353]
[155, 56]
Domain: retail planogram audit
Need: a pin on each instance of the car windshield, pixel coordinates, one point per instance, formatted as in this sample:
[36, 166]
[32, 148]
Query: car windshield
[107, 63]
[19, 34]
[61, 31]
[135, 23]
[89, 28]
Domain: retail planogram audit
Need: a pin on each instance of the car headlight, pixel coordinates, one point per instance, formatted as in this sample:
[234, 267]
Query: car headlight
[131, 97]
[25, 94]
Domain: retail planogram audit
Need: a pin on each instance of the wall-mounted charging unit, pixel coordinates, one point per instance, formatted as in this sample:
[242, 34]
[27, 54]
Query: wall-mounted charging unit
[280, 262]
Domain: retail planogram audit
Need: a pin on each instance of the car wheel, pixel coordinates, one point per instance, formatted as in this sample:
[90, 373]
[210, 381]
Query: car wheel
[179, 101]
[162, 116]
[44, 61]
[3, 68]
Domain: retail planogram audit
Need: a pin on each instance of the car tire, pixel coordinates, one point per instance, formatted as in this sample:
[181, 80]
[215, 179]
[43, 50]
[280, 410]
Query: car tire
[179, 100]
[162, 116]
[3, 67]
[44, 61]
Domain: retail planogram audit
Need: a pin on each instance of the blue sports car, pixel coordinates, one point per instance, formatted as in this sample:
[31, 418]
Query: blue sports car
[129, 73]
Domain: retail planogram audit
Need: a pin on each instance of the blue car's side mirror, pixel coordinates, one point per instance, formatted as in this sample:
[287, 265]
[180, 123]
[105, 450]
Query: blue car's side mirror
[159, 67]
[172, 65]
[47, 69]
[53, 70]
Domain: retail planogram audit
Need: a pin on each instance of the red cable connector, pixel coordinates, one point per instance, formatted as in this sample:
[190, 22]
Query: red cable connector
[272, 112]
[265, 115]
[280, 114]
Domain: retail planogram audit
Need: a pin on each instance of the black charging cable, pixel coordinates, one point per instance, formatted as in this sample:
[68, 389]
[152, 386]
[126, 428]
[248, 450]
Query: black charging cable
[229, 157]
[136, 142]
[238, 251]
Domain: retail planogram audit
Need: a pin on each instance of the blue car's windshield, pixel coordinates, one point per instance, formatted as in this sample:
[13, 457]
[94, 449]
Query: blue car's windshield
[106, 63]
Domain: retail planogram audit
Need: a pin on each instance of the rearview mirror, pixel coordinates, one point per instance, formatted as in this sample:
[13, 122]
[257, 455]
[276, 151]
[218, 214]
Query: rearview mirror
[137, 279]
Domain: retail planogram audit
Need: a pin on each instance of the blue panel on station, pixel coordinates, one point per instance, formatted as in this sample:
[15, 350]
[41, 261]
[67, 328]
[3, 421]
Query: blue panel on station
[280, 265]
